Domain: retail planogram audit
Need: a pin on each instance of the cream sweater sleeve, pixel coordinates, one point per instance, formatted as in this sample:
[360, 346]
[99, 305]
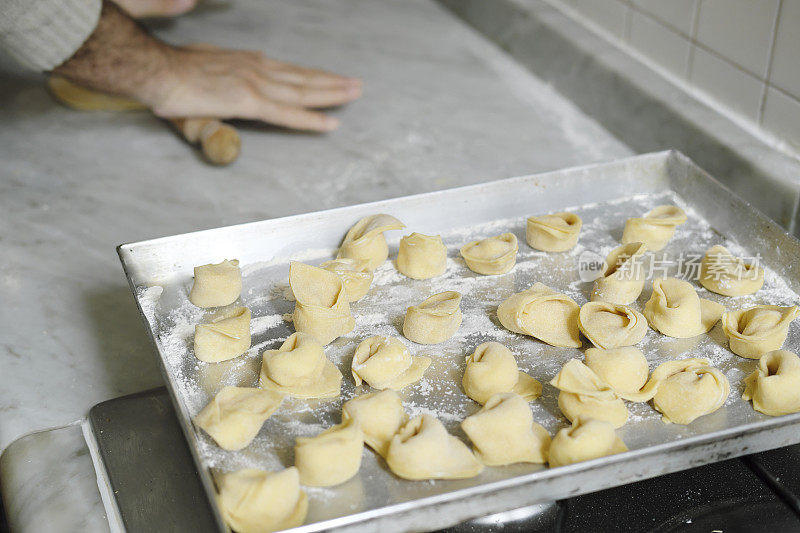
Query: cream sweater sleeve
[42, 34]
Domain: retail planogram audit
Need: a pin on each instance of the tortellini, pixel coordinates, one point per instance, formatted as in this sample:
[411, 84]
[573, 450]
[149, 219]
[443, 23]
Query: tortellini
[257, 501]
[217, 284]
[224, 338]
[330, 458]
[422, 256]
[300, 369]
[380, 415]
[676, 310]
[235, 415]
[583, 393]
[656, 228]
[435, 320]
[755, 331]
[322, 308]
[623, 278]
[774, 386]
[365, 240]
[495, 255]
[543, 313]
[385, 363]
[423, 449]
[688, 389]
[553, 233]
[624, 369]
[355, 275]
[503, 432]
[492, 369]
[586, 439]
[725, 274]
[610, 325]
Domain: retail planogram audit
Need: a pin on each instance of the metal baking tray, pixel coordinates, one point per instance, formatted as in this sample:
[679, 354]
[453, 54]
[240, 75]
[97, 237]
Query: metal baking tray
[605, 195]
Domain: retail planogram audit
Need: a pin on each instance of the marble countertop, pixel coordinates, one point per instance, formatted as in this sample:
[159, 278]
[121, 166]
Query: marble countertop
[442, 107]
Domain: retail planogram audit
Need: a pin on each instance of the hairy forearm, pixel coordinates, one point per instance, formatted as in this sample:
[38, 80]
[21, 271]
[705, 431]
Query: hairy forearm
[120, 57]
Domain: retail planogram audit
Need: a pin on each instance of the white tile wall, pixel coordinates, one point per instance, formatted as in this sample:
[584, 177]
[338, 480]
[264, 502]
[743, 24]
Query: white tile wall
[745, 54]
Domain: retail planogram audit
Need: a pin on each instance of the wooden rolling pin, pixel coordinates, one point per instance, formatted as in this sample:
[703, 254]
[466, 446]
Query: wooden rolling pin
[219, 142]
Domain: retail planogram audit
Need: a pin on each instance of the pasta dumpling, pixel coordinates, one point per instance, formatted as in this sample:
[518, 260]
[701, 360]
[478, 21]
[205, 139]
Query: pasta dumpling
[422, 256]
[224, 338]
[423, 449]
[503, 432]
[687, 389]
[365, 240]
[624, 369]
[217, 284]
[725, 274]
[385, 363]
[623, 278]
[235, 415]
[355, 275]
[380, 415]
[586, 439]
[435, 320]
[257, 501]
[583, 393]
[492, 369]
[495, 255]
[610, 325]
[543, 313]
[322, 308]
[676, 310]
[330, 458]
[300, 369]
[755, 331]
[553, 233]
[656, 228]
[774, 386]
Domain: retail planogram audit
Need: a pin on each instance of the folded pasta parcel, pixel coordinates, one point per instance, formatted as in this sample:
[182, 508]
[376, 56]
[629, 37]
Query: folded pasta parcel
[542, 313]
[623, 277]
[235, 415]
[365, 240]
[299, 368]
[655, 228]
[386, 363]
[225, 337]
[322, 309]
[492, 369]
[676, 310]
[723, 273]
[434, 320]
[774, 386]
[755, 331]
[553, 233]
[583, 393]
[216, 285]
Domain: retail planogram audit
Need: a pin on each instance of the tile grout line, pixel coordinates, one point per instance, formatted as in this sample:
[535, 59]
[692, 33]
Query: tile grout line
[770, 58]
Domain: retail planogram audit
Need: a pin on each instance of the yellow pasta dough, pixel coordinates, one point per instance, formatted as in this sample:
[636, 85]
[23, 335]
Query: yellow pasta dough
[656, 228]
[365, 240]
[553, 233]
[543, 313]
[226, 337]
[492, 369]
[300, 369]
[380, 415]
[774, 386]
[676, 310]
[355, 275]
[623, 277]
[422, 256]
[503, 432]
[583, 393]
[725, 274]
[385, 363]
[624, 369]
[216, 285]
[235, 415]
[330, 458]
[687, 389]
[755, 331]
[495, 255]
[322, 308]
[257, 501]
[423, 449]
[587, 439]
[435, 320]
[610, 325]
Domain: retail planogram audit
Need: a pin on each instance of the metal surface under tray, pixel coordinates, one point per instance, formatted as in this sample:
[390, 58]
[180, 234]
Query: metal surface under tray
[605, 195]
